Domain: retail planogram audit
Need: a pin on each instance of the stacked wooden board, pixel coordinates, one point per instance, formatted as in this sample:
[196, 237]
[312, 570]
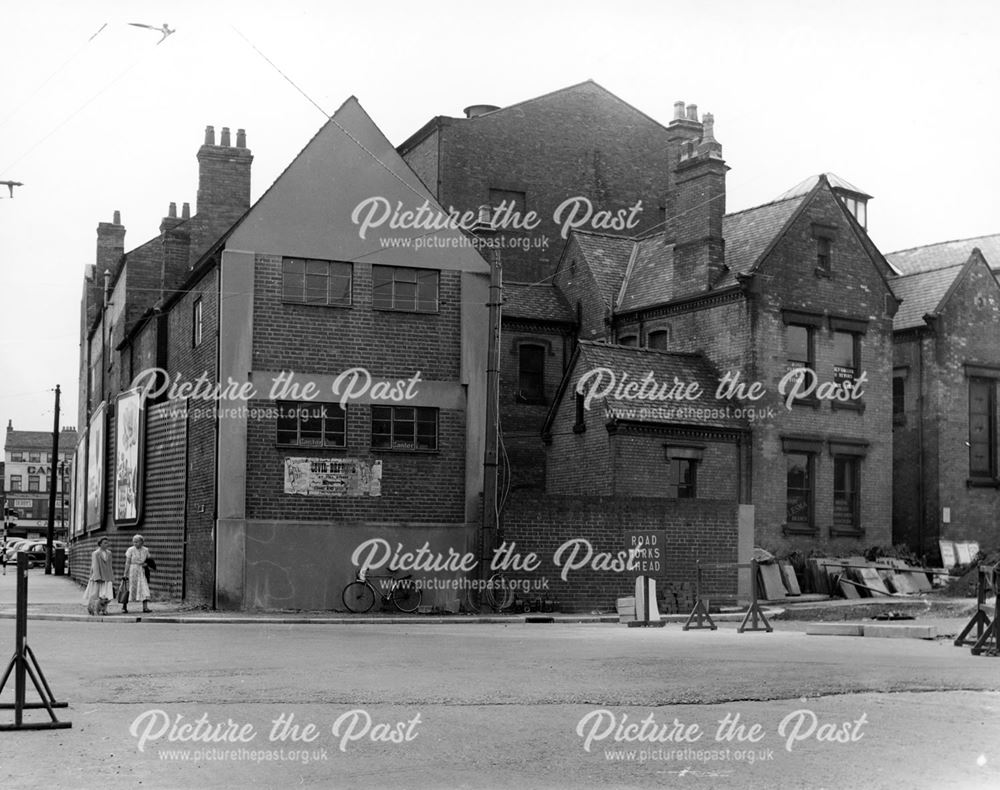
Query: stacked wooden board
[856, 577]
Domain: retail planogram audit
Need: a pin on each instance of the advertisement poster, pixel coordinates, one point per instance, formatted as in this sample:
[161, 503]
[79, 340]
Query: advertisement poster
[80, 485]
[129, 438]
[337, 477]
[96, 449]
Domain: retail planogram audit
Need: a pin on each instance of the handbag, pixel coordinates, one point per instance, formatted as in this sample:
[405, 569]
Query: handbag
[122, 597]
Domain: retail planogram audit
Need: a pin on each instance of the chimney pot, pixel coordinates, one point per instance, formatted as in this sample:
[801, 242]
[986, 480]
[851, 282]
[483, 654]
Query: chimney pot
[172, 210]
[692, 110]
[241, 138]
[224, 142]
[678, 111]
[186, 211]
[209, 135]
[117, 220]
[475, 110]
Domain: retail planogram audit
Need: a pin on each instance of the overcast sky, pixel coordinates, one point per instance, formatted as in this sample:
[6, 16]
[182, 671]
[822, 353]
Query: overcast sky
[898, 97]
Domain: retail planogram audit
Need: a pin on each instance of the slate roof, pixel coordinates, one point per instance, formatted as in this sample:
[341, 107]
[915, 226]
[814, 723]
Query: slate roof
[946, 253]
[542, 302]
[39, 440]
[835, 181]
[921, 294]
[607, 258]
[747, 234]
[666, 367]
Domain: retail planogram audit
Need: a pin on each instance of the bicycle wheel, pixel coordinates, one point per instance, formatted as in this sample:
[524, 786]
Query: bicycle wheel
[406, 596]
[358, 597]
[498, 595]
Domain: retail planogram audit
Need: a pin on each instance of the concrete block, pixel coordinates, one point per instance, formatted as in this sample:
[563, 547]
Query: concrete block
[835, 629]
[901, 631]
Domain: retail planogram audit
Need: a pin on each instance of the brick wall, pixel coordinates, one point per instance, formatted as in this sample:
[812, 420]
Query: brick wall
[581, 141]
[695, 530]
[189, 362]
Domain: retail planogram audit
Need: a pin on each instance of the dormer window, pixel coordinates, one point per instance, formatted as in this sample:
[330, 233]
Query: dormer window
[858, 208]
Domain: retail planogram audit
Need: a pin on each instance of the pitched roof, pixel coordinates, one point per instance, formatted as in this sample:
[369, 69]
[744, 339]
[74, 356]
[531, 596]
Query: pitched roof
[40, 440]
[922, 293]
[747, 234]
[945, 253]
[542, 302]
[629, 363]
[607, 258]
[835, 181]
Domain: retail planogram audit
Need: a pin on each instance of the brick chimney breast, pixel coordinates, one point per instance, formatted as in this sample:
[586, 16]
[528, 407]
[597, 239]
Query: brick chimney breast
[223, 180]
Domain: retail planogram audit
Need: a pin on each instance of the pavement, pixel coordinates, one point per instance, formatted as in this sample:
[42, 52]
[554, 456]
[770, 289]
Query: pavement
[52, 597]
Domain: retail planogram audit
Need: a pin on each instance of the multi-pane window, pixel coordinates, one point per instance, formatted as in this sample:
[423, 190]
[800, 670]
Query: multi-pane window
[799, 488]
[15, 482]
[658, 339]
[33, 482]
[846, 484]
[982, 428]
[681, 478]
[308, 281]
[401, 288]
[404, 428]
[312, 424]
[799, 346]
[846, 347]
[16, 455]
[34, 458]
[531, 373]
[196, 326]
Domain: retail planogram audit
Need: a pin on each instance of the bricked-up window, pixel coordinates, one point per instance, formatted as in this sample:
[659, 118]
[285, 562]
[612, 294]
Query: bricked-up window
[196, 325]
[846, 356]
[308, 281]
[404, 428]
[682, 476]
[982, 428]
[507, 200]
[312, 424]
[15, 482]
[401, 288]
[846, 485]
[33, 483]
[531, 373]
[658, 339]
[800, 483]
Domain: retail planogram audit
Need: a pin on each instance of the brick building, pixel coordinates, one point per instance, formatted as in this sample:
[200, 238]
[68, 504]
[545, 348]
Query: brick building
[28, 476]
[946, 367]
[314, 384]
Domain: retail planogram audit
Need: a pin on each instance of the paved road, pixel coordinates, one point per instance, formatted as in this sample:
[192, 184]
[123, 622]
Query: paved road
[500, 706]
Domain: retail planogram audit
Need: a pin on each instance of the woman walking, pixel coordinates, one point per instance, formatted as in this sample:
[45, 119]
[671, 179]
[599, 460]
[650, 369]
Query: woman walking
[100, 587]
[135, 573]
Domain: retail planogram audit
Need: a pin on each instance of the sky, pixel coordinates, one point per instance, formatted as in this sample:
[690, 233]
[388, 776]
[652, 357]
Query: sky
[898, 97]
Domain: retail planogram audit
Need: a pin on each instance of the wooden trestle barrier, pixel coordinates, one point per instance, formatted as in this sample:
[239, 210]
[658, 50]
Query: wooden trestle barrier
[986, 619]
[700, 612]
[24, 662]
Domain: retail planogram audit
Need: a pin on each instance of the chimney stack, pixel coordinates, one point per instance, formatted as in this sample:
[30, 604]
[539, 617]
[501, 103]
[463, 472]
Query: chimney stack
[223, 179]
[682, 129]
[699, 205]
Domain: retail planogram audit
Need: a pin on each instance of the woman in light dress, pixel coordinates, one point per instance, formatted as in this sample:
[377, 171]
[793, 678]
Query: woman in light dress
[135, 573]
[100, 588]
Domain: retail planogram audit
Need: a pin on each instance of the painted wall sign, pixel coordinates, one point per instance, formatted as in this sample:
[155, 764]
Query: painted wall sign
[333, 477]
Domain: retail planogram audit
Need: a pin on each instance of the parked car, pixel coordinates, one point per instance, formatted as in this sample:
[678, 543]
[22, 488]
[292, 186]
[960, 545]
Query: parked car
[35, 550]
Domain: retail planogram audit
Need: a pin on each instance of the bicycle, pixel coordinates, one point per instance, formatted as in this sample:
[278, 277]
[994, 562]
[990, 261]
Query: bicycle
[494, 593]
[359, 596]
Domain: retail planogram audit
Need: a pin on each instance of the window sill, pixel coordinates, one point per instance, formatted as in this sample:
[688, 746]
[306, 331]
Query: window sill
[820, 272]
[579, 428]
[405, 310]
[315, 304]
[799, 529]
[299, 447]
[846, 532]
[982, 482]
[853, 405]
[541, 401]
[811, 403]
[404, 451]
